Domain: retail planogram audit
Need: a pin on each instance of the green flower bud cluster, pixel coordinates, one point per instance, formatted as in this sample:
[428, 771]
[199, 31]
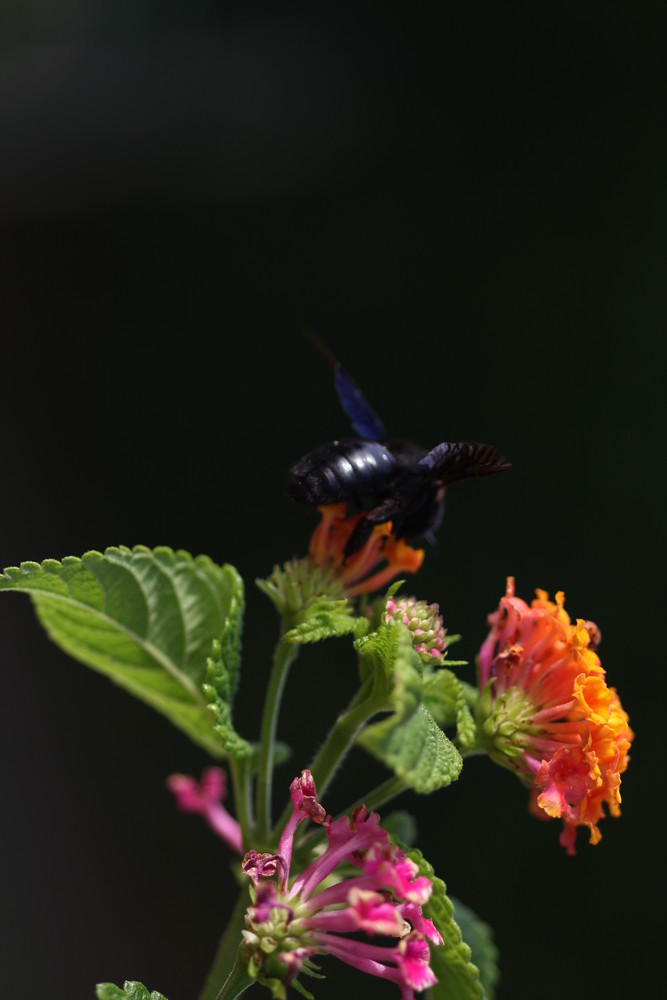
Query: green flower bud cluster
[296, 585]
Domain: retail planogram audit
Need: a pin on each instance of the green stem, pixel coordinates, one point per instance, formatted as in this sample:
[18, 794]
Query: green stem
[338, 742]
[283, 657]
[383, 793]
[341, 736]
[228, 977]
[240, 773]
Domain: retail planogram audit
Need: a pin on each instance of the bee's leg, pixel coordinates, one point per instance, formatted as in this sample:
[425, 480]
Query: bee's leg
[386, 511]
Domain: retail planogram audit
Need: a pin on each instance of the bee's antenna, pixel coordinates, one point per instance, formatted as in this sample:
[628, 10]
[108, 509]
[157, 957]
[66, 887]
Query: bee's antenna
[322, 348]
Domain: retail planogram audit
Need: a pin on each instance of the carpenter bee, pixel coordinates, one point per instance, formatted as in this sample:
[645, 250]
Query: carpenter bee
[394, 480]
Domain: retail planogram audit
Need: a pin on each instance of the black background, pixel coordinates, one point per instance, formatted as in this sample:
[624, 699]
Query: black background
[468, 205]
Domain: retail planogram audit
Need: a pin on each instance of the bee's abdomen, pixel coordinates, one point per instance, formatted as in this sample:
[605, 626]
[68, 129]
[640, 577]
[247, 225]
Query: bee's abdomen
[341, 470]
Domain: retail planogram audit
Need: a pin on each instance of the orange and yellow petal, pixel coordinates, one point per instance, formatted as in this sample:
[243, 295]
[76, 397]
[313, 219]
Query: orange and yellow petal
[381, 558]
[572, 747]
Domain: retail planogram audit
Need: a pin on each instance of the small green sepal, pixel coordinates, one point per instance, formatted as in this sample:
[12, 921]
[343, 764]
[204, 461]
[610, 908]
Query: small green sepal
[310, 600]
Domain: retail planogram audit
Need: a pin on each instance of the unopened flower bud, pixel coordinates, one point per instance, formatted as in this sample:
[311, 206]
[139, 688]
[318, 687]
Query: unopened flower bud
[424, 622]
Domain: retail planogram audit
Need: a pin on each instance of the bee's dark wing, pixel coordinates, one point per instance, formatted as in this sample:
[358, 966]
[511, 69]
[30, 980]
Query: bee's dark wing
[361, 414]
[453, 460]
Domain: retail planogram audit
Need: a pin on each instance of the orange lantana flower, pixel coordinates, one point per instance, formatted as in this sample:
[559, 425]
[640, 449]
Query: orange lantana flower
[381, 558]
[547, 713]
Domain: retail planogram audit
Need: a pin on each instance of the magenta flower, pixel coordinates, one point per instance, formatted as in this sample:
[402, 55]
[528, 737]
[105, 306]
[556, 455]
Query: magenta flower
[206, 798]
[292, 920]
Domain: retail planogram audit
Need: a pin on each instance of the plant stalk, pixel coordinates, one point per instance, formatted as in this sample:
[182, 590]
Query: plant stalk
[381, 794]
[283, 658]
[240, 773]
[337, 744]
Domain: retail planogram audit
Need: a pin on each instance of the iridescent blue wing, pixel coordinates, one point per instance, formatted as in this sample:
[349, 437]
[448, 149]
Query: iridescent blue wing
[362, 416]
[360, 413]
[453, 460]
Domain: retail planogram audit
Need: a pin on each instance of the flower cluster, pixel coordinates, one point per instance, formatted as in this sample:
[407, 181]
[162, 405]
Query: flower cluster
[425, 624]
[363, 571]
[362, 884]
[546, 711]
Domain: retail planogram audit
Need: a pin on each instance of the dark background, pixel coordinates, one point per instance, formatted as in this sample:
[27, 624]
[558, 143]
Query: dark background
[469, 207]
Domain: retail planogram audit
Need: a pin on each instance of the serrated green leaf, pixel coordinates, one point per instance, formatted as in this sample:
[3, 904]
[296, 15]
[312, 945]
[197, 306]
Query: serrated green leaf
[217, 690]
[409, 741]
[479, 936]
[222, 675]
[131, 991]
[147, 619]
[442, 690]
[445, 698]
[466, 730]
[458, 978]
[386, 656]
[416, 749]
[326, 623]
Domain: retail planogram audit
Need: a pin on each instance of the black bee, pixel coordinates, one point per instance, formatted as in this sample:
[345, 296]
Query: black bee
[393, 481]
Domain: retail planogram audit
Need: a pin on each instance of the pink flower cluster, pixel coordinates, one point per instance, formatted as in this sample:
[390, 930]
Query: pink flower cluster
[361, 883]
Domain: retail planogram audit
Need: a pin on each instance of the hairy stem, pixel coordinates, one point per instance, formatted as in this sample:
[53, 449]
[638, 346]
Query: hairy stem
[381, 794]
[283, 657]
[339, 741]
[240, 773]
[342, 735]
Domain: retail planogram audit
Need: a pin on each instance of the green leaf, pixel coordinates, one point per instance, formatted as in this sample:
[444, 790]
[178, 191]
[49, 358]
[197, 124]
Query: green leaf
[148, 620]
[458, 978]
[222, 675]
[442, 690]
[416, 749]
[409, 740]
[219, 694]
[479, 936]
[466, 730]
[130, 991]
[387, 655]
[445, 697]
[324, 618]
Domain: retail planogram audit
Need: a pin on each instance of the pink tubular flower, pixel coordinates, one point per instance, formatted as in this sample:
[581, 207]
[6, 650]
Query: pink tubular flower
[547, 713]
[206, 798]
[290, 921]
[381, 558]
